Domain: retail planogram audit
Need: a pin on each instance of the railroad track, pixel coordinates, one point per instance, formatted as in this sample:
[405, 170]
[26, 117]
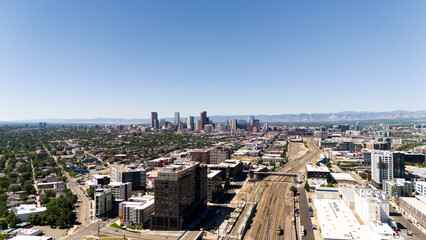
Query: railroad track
[272, 206]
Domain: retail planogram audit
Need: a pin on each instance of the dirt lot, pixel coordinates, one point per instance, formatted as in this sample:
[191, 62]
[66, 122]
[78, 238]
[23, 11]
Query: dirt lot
[297, 150]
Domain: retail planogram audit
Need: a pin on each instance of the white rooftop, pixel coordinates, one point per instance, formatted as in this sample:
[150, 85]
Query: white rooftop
[342, 177]
[312, 168]
[213, 173]
[336, 220]
[98, 176]
[418, 202]
[29, 208]
[140, 203]
[27, 231]
[24, 237]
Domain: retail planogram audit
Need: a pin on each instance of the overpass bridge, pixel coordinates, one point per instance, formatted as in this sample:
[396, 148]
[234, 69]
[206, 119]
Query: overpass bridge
[261, 175]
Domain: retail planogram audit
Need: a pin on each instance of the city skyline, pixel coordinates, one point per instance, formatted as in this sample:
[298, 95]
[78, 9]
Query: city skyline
[88, 60]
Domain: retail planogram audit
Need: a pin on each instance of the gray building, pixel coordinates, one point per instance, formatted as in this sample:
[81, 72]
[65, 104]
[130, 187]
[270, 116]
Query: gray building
[398, 187]
[214, 185]
[103, 201]
[177, 118]
[180, 194]
[120, 190]
[219, 155]
[122, 173]
[154, 120]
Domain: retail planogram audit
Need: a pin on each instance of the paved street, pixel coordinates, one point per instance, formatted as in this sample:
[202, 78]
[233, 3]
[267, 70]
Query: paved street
[405, 225]
[305, 219]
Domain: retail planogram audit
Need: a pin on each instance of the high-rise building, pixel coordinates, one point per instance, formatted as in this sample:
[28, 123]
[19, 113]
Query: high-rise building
[241, 124]
[386, 165]
[204, 120]
[208, 128]
[180, 194]
[233, 125]
[251, 120]
[162, 123]
[154, 120]
[190, 123]
[177, 118]
[137, 176]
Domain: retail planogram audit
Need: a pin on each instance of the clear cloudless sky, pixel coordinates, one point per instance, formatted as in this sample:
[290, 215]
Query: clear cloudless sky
[86, 59]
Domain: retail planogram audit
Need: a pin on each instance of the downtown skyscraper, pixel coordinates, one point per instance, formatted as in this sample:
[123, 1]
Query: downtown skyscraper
[154, 120]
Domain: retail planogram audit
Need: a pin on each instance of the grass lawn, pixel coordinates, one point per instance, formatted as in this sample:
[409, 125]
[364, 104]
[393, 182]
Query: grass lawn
[115, 225]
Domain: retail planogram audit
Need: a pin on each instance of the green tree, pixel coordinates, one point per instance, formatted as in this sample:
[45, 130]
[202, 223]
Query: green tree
[91, 192]
[294, 190]
[35, 219]
[3, 224]
[307, 186]
[328, 164]
[12, 219]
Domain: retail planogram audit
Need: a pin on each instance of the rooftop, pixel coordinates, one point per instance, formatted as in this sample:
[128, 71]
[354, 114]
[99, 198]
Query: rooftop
[336, 220]
[98, 176]
[29, 208]
[213, 173]
[418, 202]
[312, 168]
[342, 177]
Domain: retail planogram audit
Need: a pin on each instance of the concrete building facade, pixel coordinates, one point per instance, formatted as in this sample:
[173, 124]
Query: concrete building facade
[180, 194]
[219, 155]
[137, 176]
[103, 201]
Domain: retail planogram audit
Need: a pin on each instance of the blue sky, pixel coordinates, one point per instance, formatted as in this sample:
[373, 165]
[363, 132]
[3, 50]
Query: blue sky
[85, 59]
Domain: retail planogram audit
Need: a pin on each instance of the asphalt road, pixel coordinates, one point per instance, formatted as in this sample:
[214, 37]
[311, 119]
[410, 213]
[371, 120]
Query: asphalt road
[405, 225]
[305, 219]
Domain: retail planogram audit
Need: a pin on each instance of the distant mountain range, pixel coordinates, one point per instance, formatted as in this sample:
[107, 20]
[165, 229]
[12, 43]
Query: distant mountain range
[302, 117]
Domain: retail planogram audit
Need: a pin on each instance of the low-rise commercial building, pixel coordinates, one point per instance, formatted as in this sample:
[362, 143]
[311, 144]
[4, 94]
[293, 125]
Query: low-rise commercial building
[317, 171]
[398, 187]
[343, 178]
[272, 158]
[25, 210]
[336, 220]
[415, 207]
